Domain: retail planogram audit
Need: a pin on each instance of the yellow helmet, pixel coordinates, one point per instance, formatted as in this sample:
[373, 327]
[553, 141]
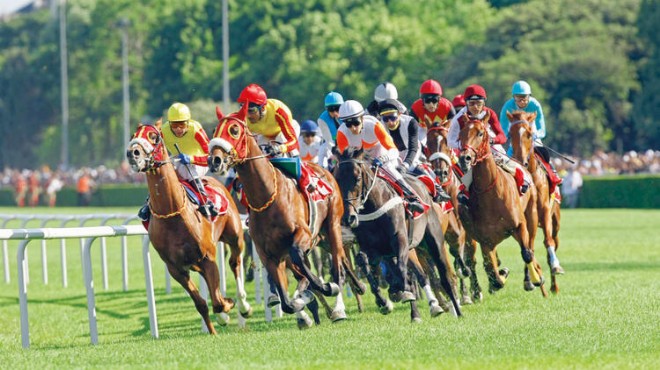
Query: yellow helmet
[178, 112]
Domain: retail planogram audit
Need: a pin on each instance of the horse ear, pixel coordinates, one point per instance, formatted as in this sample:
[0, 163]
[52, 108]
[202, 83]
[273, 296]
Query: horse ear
[158, 123]
[486, 117]
[509, 116]
[218, 113]
[532, 117]
[242, 114]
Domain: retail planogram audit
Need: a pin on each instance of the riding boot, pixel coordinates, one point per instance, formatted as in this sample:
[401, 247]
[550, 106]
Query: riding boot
[144, 213]
[463, 196]
[414, 203]
[440, 194]
[208, 209]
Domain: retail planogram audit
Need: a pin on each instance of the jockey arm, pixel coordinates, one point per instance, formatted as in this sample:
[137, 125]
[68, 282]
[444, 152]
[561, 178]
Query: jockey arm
[325, 132]
[203, 140]
[495, 126]
[413, 142]
[454, 130]
[283, 119]
[539, 124]
[386, 142]
[509, 106]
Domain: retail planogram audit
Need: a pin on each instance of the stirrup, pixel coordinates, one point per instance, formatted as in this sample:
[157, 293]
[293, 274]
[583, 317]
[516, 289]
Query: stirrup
[524, 188]
[144, 213]
[441, 196]
[463, 199]
[415, 205]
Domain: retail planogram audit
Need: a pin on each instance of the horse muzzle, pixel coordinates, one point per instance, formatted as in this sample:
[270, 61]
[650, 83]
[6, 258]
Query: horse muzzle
[136, 160]
[465, 162]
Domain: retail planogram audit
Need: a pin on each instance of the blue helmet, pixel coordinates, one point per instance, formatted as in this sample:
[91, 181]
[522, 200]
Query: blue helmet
[308, 126]
[521, 88]
[334, 98]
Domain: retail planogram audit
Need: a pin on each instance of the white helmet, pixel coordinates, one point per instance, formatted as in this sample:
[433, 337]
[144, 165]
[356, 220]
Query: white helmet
[385, 91]
[350, 109]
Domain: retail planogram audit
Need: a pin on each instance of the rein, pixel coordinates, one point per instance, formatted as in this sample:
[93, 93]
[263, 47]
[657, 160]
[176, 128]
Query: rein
[531, 150]
[272, 197]
[362, 199]
[169, 215]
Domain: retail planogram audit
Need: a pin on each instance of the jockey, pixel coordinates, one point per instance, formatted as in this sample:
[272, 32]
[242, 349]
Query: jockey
[189, 135]
[363, 131]
[271, 120]
[311, 143]
[431, 107]
[385, 90]
[458, 102]
[523, 100]
[476, 108]
[403, 130]
[328, 123]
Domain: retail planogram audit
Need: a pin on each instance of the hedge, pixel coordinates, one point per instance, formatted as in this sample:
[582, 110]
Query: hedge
[639, 191]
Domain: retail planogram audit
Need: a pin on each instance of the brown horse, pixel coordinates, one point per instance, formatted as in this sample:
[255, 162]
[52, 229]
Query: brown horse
[496, 210]
[184, 239]
[522, 142]
[439, 156]
[280, 213]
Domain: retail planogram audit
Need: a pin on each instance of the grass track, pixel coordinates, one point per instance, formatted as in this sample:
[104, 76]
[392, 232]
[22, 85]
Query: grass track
[607, 315]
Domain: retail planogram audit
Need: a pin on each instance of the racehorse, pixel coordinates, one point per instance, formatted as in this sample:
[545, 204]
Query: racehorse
[548, 208]
[279, 215]
[376, 214]
[496, 210]
[439, 156]
[184, 239]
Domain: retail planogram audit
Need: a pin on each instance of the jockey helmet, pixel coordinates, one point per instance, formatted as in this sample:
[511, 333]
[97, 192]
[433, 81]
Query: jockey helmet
[521, 88]
[333, 98]
[458, 101]
[253, 93]
[350, 109]
[475, 92]
[308, 126]
[386, 90]
[390, 105]
[178, 112]
[430, 87]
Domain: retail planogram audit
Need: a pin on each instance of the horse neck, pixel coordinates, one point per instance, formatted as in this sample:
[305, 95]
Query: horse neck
[257, 174]
[165, 191]
[531, 165]
[484, 173]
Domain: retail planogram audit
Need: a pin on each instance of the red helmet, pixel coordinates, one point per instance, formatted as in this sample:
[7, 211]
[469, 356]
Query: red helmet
[473, 92]
[458, 101]
[431, 87]
[252, 93]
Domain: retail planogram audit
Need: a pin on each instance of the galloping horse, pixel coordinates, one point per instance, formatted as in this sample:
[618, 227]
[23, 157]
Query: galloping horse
[522, 141]
[184, 239]
[376, 214]
[496, 210]
[279, 215]
[439, 156]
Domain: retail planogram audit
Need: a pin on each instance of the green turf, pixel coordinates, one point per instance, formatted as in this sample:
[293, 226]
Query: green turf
[607, 315]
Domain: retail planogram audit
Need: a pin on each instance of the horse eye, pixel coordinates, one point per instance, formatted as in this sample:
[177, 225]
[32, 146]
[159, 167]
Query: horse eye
[234, 131]
[153, 138]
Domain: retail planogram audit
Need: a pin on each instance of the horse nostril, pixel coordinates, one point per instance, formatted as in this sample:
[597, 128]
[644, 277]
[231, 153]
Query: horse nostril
[217, 161]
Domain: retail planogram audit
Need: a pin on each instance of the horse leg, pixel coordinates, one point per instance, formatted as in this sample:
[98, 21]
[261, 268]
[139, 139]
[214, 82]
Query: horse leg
[556, 217]
[221, 305]
[277, 278]
[455, 237]
[471, 260]
[491, 265]
[400, 285]
[524, 237]
[363, 263]
[300, 261]
[235, 262]
[440, 257]
[415, 317]
[420, 270]
[183, 277]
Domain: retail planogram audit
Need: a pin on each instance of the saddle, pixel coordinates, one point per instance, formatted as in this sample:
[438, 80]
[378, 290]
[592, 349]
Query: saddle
[392, 182]
[553, 179]
[218, 198]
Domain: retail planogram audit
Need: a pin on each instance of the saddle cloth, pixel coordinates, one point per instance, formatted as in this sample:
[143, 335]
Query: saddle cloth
[392, 182]
[218, 199]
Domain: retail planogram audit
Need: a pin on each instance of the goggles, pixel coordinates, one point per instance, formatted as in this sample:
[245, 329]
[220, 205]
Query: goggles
[389, 118]
[520, 97]
[253, 108]
[333, 108]
[431, 99]
[350, 122]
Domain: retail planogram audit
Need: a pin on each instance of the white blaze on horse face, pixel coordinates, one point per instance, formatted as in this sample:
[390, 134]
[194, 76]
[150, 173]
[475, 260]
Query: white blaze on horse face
[521, 131]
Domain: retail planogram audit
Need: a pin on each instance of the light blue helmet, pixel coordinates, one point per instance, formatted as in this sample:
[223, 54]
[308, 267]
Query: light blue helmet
[309, 126]
[521, 88]
[334, 98]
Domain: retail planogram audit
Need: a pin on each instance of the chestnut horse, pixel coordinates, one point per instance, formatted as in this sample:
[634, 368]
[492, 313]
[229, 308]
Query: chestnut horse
[439, 156]
[522, 142]
[496, 210]
[376, 214]
[184, 239]
[279, 215]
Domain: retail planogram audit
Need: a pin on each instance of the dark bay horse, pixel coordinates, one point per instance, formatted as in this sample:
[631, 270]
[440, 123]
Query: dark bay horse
[377, 216]
[184, 239]
[496, 210]
[549, 213]
[439, 156]
[279, 215]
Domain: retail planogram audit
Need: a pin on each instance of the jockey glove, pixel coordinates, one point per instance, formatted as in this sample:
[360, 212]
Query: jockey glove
[184, 158]
[403, 168]
[273, 150]
[377, 162]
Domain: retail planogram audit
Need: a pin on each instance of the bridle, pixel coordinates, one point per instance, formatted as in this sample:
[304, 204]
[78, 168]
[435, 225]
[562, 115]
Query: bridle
[363, 195]
[526, 123]
[437, 154]
[152, 164]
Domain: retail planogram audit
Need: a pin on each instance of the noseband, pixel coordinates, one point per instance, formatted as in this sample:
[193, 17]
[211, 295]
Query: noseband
[364, 195]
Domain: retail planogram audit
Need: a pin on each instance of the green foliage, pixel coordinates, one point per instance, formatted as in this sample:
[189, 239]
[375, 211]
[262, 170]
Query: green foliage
[621, 192]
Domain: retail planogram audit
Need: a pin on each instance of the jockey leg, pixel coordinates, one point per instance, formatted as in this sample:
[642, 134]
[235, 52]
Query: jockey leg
[513, 168]
[144, 213]
[440, 193]
[463, 193]
[414, 203]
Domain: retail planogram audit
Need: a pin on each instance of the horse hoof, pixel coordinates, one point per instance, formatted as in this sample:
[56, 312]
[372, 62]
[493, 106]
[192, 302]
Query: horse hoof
[334, 289]
[247, 314]
[387, 309]
[466, 300]
[298, 304]
[528, 286]
[337, 316]
[504, 273]
[541, 281]
[478, 297]
[273, 301]
[360, 289]
[222, 318]
[436, 311]
[304, 323]
[557, 270]
[407, 297]
[416, 320]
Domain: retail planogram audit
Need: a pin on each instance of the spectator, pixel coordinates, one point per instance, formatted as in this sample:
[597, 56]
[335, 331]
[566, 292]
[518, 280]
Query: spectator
[54, 185]
[84, 188]
[34, 187]
[20, 186]
[571, 188]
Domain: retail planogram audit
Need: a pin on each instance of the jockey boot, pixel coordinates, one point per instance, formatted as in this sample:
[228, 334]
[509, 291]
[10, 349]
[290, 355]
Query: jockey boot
[414, 203]
[208, 209]
[463, 196]
[144, 213]
[440, 194]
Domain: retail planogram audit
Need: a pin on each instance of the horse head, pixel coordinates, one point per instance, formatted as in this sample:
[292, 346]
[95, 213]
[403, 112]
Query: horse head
[146, 150]
[229, 145]
[437, 150]
[521, 135]
[350, 176]
[475, 141]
